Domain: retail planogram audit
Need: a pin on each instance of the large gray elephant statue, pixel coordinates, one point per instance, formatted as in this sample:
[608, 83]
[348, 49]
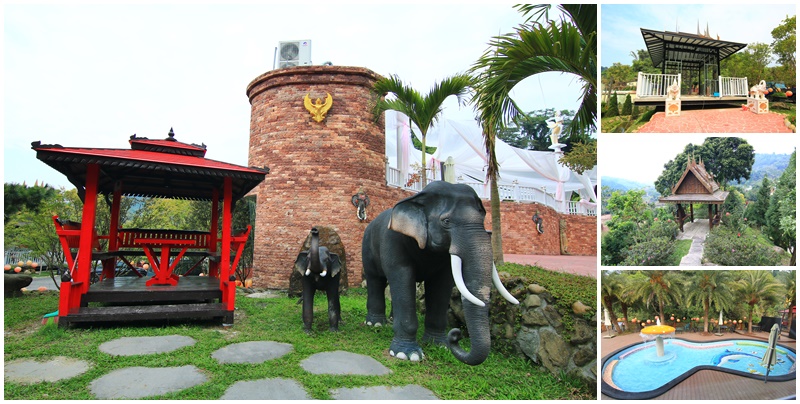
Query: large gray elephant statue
[320, 269]
[426, 238]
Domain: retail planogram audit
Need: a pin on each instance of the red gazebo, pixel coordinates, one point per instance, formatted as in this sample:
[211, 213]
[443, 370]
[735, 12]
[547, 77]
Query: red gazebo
[150, 168]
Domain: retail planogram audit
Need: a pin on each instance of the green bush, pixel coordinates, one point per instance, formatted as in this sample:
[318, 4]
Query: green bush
[626, 106]
[652, 252]
[729, 247]
[635, 111]
[613, 107]
[616, 242]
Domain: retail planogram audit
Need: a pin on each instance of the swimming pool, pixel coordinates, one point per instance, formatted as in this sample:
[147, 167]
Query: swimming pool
[637, 372]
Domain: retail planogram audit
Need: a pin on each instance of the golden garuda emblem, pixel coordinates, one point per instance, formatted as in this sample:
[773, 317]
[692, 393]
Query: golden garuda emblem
[318, 109]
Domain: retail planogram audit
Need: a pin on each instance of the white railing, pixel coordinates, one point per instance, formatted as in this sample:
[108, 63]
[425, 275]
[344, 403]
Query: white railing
[655, 85]
[508, 192]
[733, 86]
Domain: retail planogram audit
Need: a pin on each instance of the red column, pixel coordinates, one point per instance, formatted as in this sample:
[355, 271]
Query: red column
[229, 290]
[113, 229]
[84, 266]
[213, 265]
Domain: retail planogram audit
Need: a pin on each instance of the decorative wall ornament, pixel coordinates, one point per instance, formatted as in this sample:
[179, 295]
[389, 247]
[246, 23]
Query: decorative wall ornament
[538, 220]
[317, 108]
[360, 201]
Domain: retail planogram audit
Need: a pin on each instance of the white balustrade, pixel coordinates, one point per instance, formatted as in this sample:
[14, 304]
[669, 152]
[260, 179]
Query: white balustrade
[655, 85]
[733, 86]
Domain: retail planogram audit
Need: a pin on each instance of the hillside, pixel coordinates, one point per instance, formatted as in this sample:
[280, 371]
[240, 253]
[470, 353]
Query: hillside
[769, 165]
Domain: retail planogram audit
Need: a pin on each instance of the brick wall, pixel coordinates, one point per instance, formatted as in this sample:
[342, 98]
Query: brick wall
[316, 167]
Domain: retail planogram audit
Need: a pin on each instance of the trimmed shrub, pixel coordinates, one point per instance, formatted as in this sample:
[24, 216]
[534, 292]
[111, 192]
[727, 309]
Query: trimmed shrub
[626, 106]
[726, 246]
[653, 252]
[613, 107]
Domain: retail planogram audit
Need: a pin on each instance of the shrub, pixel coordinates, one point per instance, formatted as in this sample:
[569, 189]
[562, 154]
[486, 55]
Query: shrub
[613, 107]
[726, 246]
[626, 106]
[615, 243]
[652, 252]
[635, 111]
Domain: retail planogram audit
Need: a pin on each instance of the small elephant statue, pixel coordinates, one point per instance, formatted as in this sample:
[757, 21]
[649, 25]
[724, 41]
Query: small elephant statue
[759, 90]
[320, 269]
[674, 91]
[425, 238]
[360, 201]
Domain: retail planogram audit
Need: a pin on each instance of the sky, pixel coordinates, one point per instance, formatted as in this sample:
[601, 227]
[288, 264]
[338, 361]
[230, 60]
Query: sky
[93, 75]
[641, 157]
[620, 24]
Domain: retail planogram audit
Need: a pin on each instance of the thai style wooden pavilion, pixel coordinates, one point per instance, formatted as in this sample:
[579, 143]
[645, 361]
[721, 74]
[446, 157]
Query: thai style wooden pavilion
[693, 61]
[150, 168]
[696, 185]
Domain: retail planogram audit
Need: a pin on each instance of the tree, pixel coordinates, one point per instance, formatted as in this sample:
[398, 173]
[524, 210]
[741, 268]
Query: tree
[610, 282]
[757, 288]
[642, 63]
[781, 226]
[18, 197]
[659, 288]
[583, 157]
[531, 131]
[423, 111]
[617, 76]
[613, 107]
[625, 206]
[626, 106]
[790, 288]
[568, 46]
[710, 289]
[757, 211]
[785, 44]
[751, 63]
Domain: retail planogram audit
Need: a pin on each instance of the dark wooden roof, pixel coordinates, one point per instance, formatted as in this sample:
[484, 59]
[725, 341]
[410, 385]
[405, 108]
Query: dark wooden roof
[691, 49]
[696, 185]
[151, 168]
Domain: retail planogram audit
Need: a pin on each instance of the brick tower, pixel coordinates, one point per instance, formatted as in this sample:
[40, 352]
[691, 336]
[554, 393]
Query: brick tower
[316, 167]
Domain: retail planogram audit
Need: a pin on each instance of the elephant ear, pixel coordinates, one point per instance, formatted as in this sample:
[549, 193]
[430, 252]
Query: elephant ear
[336, 264]
[408, 217]
[301, 263]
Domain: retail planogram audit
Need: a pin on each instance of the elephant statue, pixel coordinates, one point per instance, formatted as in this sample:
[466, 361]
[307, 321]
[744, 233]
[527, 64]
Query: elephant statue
[320, 269]
[360, 201]
[426, 238]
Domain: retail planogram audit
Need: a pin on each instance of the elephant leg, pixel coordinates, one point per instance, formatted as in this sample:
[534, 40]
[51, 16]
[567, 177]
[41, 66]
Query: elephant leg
[308, 303]
[404, 344]
[437, 303]
[376, 300]
[334, 310]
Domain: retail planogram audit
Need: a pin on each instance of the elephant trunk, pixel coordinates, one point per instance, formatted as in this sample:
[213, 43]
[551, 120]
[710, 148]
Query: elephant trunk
[476, 279]
[314, 264]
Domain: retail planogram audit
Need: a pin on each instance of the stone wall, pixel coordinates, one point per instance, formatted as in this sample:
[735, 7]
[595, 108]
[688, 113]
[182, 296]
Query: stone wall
[316, 167]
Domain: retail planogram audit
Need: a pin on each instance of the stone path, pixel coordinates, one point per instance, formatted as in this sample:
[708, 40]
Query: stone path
[141, 382]
[728, 120]
[696, 232]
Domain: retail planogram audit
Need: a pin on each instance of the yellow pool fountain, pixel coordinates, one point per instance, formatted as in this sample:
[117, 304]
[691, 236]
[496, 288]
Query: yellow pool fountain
[657, 332]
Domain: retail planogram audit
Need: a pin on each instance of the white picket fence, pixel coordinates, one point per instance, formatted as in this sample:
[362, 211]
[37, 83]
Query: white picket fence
[733, 86]
[655, 85]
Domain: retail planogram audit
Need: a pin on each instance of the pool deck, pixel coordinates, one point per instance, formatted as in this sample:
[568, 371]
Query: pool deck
[710, 384]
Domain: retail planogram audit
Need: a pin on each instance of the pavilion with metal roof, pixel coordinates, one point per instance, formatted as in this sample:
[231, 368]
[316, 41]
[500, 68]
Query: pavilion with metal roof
[696, 185]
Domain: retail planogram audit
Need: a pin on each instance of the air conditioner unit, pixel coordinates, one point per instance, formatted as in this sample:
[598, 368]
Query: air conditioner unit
[294, 53]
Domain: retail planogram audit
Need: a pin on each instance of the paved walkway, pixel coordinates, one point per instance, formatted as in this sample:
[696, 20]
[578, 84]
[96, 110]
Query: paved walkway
[729, 120]
[696, 232]
[710, 384]
[142, 382]
[585, 265]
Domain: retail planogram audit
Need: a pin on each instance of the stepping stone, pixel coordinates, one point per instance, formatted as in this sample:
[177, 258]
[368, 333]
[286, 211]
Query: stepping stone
[265, 295]
[409, 392]
[140, 382]
[29, 371]
[128, 346]
[266, 389]
[251, 352]
[343, 363]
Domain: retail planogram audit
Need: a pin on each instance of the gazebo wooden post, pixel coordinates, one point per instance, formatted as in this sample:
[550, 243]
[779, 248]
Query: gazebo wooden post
[226, 276]
[710, 217]
[213, 264]
[691, 213]
[113, 230]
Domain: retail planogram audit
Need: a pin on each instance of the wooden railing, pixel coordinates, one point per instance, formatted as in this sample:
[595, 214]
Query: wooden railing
[508, 192]
[126, 237]
[655, 85]
[733, 86]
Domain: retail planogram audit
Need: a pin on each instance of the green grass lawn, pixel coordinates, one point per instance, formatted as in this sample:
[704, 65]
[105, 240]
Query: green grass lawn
[499, 378]
[681, 249]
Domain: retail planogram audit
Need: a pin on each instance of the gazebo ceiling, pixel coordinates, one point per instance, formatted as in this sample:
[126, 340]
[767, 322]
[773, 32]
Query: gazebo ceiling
[151, 168]
[691, 49]
[717, 198]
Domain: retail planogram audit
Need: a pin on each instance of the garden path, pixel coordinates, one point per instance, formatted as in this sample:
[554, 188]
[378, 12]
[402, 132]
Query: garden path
[697, 232]
[730, 120]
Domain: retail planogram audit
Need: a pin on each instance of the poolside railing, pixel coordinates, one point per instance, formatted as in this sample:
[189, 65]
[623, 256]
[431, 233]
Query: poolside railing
[655, 85]
[733, 86]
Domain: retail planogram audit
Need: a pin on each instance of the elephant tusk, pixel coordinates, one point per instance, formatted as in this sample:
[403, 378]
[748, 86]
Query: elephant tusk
[455, 266]
[325, 272]
[308, 272]
[500, 288]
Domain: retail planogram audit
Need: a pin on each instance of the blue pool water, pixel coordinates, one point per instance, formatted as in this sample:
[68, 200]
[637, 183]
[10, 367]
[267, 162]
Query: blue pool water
[638, 368]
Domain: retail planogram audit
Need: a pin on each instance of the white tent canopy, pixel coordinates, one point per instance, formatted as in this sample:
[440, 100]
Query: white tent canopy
[463, 141]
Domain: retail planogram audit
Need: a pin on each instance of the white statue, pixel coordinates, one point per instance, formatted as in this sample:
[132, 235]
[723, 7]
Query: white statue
[555, 124]
[759, 90]
[674, 91]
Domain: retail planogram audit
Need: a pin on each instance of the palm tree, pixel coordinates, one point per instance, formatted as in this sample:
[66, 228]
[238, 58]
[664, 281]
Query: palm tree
[610, 282]
[423, 111]
[659, 288]
[758, 288]
[569, 46]
[710, 288]
[790, 283]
